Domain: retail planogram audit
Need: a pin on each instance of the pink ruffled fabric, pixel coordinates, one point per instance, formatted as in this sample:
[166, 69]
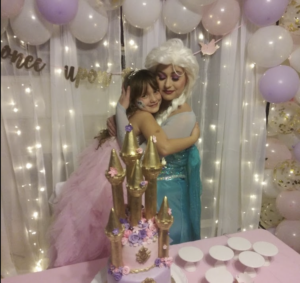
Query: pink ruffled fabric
[81, 214]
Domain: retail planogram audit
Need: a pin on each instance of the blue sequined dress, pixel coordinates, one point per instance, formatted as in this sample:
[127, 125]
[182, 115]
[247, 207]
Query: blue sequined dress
[180, 182]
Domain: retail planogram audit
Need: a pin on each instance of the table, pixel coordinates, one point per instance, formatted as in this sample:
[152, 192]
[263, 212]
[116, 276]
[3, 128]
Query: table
[284, 267]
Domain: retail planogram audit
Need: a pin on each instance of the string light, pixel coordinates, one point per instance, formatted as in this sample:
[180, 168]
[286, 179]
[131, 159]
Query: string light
[37, 128]
[15, 109]
[42, 189]
[27, 90]
[19, 133]
[28, 165]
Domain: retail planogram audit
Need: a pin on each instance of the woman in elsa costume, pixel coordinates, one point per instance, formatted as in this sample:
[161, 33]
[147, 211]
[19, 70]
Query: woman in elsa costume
[82, 211]
[176, 70]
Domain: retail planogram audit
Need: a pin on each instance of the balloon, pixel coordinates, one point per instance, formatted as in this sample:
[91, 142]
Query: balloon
[276, 152]
[106, 4]
[4, 24]
[58, 11]
[288, 204]
[288, 231]
[287, 175]
[89, 25]
[221, 17]
[185, 23]
[264, 12]
[289, 140]
[196, 5]
[270, 46]
[11, 8]
[269, 188]
[29, 26]
[284, 117]
[269, 215]
[144, 14]
[279, 84]
[295, 59]
[296, 151]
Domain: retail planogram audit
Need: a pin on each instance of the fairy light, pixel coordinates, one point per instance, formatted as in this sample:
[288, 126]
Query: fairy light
[113, 103]
[15, 109]
[109, 64]
[131, 42]
[28, 165]
[35, 215]
[71, 111]
[213, 127]
[201, 36]
[27, 90]
[38, 145]
[33, 233]
[65, 146]
[252, 65]
[105, 43]
[42, 189]
[66, 48]
[58, 71]
[37, 128]
[42, 171]
[97, 65]
[33, 17]
[19, 133]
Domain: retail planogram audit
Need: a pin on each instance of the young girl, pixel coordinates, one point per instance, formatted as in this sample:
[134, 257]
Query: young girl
[81, 214]
[176, 70]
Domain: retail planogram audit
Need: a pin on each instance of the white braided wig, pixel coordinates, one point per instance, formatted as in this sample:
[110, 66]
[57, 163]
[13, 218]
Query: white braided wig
[174, 52]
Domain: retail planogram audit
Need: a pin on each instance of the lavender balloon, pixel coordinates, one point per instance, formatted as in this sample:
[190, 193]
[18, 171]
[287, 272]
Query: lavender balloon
[264, 12]
[279, 84]
[58, 11]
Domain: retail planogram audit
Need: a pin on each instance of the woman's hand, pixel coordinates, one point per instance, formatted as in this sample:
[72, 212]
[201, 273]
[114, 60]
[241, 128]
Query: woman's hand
[196, 132]
[111, 125]
[125, 97]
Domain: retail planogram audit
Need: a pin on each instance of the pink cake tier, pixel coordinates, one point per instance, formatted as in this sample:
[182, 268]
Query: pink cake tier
[140, 256]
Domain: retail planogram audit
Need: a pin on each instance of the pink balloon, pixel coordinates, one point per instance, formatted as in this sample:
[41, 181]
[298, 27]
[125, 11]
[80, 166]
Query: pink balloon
[264, 12]
[221, 17]
[296, 151]
[276, 152]
[11, 8]
[288, 231]
[288, 204]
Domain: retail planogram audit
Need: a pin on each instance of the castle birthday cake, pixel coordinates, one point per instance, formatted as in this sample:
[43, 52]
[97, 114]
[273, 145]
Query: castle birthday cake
[139, 236]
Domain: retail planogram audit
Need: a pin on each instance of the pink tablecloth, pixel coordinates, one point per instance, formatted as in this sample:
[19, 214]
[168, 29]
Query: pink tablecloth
[284, 267]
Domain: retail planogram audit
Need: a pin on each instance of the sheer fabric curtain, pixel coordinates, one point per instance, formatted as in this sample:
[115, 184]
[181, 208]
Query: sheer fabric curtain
[231, 115]
[45, 123]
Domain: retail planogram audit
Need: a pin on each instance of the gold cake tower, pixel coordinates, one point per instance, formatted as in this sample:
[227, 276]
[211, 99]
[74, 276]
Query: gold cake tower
[136, 170]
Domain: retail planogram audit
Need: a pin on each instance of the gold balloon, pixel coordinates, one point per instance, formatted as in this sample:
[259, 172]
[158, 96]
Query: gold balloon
[269, 215]
[284, 118]
[287, 175]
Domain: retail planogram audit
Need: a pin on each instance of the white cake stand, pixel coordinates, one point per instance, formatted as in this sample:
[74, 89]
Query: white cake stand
[177, 275]
[217, 275]
[265, 249]
[190, 255]
[221, 254]
[238, 244]
[252, 260]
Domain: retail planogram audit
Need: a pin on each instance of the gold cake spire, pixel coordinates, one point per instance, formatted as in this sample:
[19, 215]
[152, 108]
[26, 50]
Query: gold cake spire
[116, 175]
[114, 231]
[164, 221]
[136, 187]
[151, 169]
[129, 153]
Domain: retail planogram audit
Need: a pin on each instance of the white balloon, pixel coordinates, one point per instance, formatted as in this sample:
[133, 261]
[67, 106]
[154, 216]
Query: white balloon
[30, 26]
[178, 18]
[89, 25]
[196, 5]
[270, 46]
[4, 24]
[269, 188]
[295, 59]
[142, 14]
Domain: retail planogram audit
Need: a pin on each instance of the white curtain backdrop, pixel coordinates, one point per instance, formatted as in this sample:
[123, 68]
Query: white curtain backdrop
[46, 122]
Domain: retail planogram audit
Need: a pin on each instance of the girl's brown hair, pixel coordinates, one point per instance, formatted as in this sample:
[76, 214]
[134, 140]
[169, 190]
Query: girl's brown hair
[138, 82]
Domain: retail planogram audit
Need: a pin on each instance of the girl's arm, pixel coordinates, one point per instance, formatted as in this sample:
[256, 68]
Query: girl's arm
[147, 125]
